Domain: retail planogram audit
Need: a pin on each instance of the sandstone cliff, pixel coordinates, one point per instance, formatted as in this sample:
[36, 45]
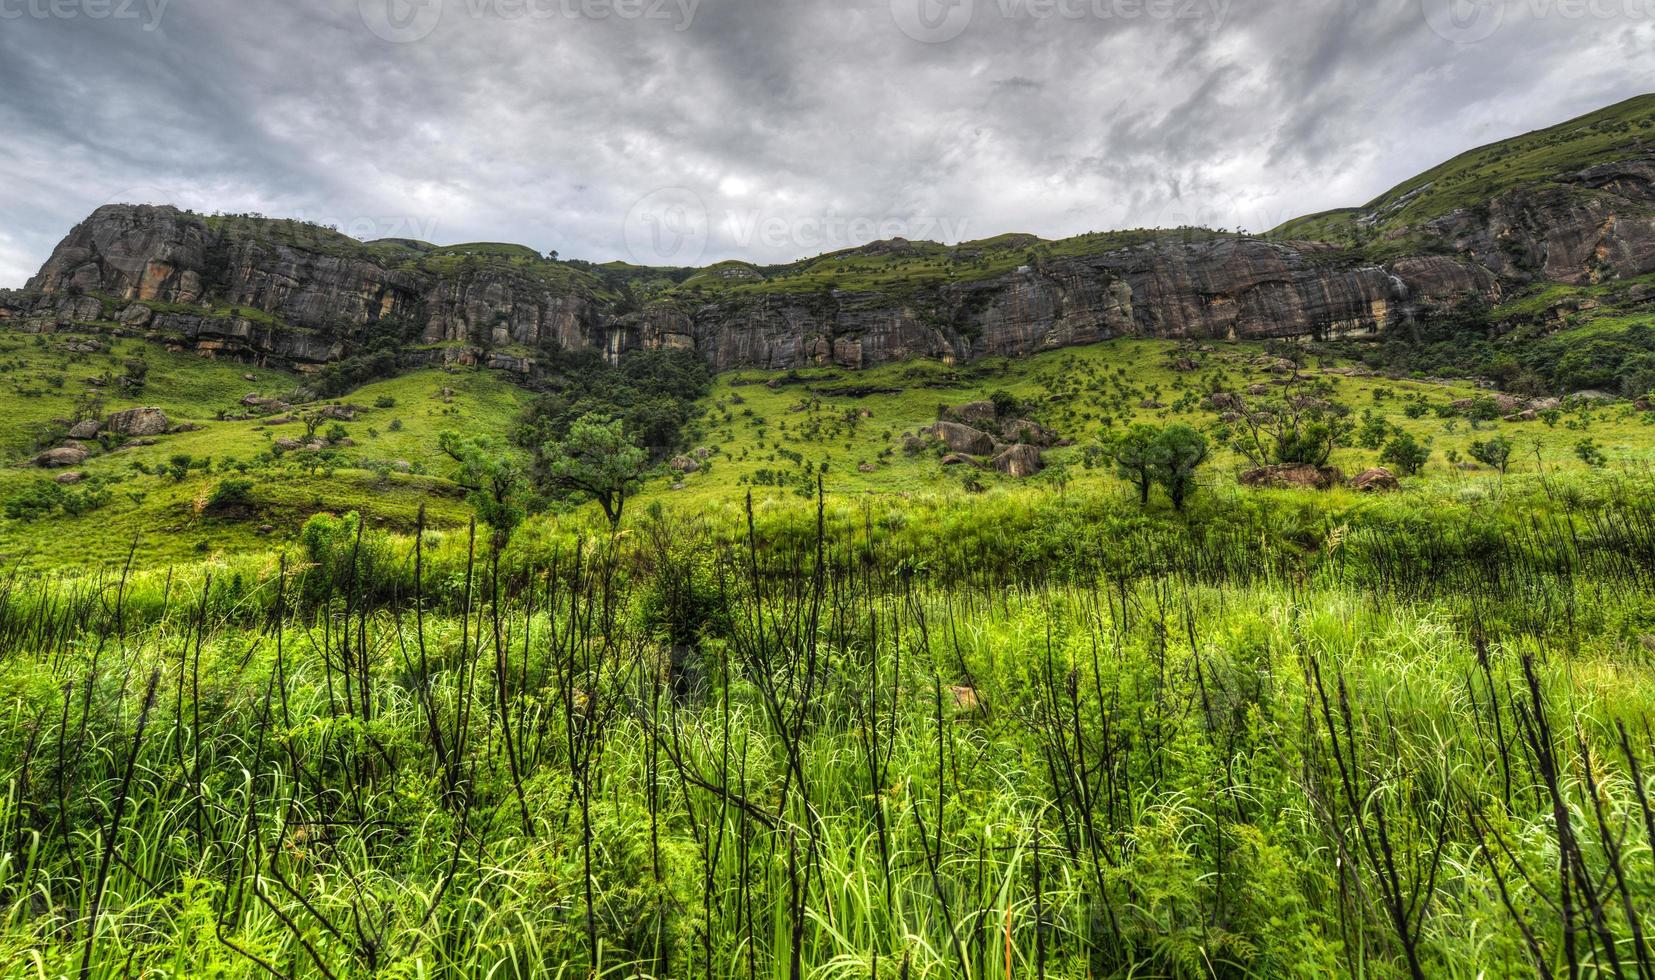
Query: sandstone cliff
[286, 293]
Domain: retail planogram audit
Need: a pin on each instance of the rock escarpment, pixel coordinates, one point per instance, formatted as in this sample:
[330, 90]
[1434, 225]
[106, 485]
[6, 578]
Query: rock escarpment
[300, 296]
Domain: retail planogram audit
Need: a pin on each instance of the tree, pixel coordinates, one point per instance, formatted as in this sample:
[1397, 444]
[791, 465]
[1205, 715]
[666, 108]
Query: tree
[1300, 427]
[1133, 453]
[1406, 453]
[496, 487]
[1178, 452]
[1496, 452]
[596, 458]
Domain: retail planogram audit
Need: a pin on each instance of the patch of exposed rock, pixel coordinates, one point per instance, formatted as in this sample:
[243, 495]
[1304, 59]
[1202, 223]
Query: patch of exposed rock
[1020, 461]
[1377, 480]
[1300, 475]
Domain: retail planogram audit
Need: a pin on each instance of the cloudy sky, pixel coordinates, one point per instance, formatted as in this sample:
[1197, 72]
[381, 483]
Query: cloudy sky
[693, 130]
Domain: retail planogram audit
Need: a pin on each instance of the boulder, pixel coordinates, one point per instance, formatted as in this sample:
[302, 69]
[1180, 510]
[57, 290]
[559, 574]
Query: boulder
[267, 406]
[288, 445]
[1545, 404]
[1593, 395]
[1029, 433]
[1185, 365]
[959, 459]
[1020, 461]
[1222, 401]
[867, 468]
[966, 701]
[1299, 475]
[1526, 415]
[962, 438]
[1377, 480]
[684, 464]
[1507, 404]
[87, 429]
[339, 413]
[138, 422]
[137, 315]
[71, 477]
[56, 459]
[974, 413]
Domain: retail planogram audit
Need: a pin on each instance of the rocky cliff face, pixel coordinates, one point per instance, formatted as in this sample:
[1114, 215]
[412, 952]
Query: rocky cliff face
[267, 292]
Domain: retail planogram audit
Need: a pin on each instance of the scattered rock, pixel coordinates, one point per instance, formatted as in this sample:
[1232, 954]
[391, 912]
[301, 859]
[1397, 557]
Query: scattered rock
[966, 701]
[1020, 461]
[1545, 404]
[684, 464]
[974, 413]
[138, 422]
[1593, 395]
[1377, 480]
[402, 466]
[1301, 475]
[961, 438]
[267, 529]
[61, 457]
[959, 459]
[1028, 433]
[1506, 404]
[1526, 415]
[1185, 365]
[867, 468]
[137, 315]
[71, 477]
[249, 377]
[1222, 400]
[267, 406]
[339, 413]
[87, 429]
[288, 445]
[1150, 403]
[1258, 391]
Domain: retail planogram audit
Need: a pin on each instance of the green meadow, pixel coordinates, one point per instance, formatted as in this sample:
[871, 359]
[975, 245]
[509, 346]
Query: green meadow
[821, 706]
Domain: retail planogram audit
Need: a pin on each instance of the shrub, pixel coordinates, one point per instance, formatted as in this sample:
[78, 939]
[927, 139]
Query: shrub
[230, 494]
[1406, 453]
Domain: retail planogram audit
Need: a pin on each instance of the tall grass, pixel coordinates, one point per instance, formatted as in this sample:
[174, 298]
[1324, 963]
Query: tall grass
[944, 741]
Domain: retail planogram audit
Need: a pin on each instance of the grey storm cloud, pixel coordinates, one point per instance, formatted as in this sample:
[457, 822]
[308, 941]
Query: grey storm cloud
[698, 130]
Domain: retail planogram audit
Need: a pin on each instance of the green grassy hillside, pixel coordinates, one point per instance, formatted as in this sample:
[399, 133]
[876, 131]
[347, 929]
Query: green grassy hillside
[1534, 159]
[770, 433]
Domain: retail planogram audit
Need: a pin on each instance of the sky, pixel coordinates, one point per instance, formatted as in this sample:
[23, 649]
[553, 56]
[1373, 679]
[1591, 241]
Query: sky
[681, 132]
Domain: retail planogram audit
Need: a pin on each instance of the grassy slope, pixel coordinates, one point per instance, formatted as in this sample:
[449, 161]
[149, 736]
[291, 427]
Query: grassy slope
[1081, 393]
[1477, 175]
[166, 517]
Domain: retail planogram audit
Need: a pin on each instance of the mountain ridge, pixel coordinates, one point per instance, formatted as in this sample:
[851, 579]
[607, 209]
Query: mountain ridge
[1573, 204]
